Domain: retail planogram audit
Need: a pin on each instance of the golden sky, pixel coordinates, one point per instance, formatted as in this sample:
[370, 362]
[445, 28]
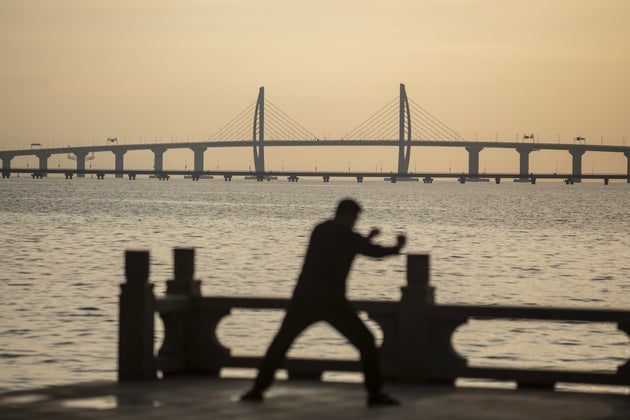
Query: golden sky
[77, 72]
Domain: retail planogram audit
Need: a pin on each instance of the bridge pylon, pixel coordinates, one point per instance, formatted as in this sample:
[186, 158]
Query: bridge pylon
[258, 135]
[404, 132]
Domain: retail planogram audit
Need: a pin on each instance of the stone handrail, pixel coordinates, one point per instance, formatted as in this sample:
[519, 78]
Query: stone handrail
[417, 333]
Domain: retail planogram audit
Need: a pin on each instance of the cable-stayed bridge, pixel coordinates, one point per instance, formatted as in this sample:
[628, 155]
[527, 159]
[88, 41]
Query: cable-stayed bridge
[401, 123]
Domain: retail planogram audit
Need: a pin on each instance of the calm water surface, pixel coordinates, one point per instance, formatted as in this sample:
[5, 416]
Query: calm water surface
[514, 244]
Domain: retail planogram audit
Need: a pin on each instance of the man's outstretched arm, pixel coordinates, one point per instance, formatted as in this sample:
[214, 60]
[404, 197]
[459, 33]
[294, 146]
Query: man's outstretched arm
[366, 247]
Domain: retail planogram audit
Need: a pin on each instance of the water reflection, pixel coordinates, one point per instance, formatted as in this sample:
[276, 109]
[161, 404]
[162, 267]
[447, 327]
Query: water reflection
[63, 244]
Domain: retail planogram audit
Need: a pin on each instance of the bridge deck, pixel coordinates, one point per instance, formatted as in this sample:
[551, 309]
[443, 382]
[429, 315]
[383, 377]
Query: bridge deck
[202, 398]
[315, 143]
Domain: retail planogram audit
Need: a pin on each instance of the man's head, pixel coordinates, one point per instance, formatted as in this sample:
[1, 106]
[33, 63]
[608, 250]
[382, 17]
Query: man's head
[347, 212]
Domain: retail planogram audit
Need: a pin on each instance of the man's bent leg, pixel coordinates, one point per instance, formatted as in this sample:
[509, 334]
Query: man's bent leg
[295, 321]
[344, 318]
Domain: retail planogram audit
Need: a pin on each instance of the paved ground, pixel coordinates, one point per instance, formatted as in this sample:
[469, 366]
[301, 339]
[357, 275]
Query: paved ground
[202, 398]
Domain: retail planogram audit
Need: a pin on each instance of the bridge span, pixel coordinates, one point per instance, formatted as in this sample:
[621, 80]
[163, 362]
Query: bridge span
[198, 148]
[392, 126]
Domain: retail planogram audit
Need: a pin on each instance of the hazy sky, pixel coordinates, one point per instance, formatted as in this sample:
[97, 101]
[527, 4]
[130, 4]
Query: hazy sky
[77, 72]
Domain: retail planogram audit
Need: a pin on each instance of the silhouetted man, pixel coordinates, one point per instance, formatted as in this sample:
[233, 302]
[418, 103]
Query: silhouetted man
[320, 295]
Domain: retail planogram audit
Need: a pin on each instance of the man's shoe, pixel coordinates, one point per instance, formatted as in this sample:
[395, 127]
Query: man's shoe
[253, 395]
[381, 399]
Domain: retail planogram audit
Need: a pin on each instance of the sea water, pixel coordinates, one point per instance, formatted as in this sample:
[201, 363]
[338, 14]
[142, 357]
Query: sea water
[550, 244]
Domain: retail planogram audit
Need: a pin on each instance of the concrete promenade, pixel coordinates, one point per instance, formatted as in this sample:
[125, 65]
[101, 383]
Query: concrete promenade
[207, 398]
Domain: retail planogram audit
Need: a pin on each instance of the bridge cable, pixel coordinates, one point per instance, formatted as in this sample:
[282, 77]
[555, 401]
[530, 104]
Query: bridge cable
[427, 128]
[289, 122]
[352, 133]
[435, 122]
[359, 131]
[279, 129]
[237, 124]
[431, 128]
[288, 131]
[380, 127]
[387, 129]
[241, 128]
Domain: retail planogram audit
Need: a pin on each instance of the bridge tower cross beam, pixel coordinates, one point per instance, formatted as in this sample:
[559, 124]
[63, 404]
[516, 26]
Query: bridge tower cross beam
[198, 157]
[119, 161]
[258, 133]
[627, 154]
[576, 171]
[473, 159]
[404, 127]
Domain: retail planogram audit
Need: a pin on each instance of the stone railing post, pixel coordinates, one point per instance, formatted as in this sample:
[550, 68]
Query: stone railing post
[417, 297]
[135, 329]
[174, 354]
[183, 282]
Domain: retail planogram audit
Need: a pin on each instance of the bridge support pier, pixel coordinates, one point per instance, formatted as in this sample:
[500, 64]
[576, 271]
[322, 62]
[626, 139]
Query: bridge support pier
[158, 160]
[524, 162]
[576, 173]
[43, 162]
[473, 159]
[81, 163]
[119, 165]
[628, 170]
[198, 152]
[6, 165]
